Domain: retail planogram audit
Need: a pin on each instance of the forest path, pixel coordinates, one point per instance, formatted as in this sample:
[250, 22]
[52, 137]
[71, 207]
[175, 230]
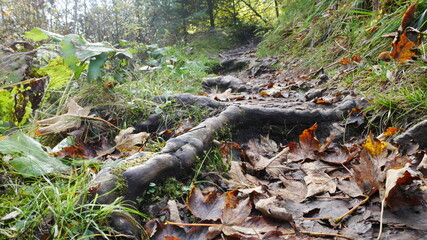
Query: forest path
[297, 163]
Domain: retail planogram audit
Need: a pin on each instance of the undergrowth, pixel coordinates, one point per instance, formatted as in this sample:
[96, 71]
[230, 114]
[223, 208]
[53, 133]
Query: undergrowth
[56, 207]
[320, 33]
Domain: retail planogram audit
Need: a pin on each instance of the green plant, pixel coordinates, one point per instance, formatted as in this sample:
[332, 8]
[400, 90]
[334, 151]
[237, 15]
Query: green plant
[57, 207]
[77, 52]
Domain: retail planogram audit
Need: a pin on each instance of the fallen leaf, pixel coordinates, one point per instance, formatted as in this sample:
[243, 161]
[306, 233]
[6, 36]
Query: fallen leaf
[402, 189]
[293, 190]
[403, 48]
[185, 126]
[126, 141]
[270, 208]
[338, 155]
[408, 17]
[345, 61]
[324, 101]
[367, 173]
[356, 58]
[374, 146]
[308, 140]
[349, 187]
[237, 177]
[235, 210]
[356, 116]
[317, 180]
[11, 215]
[205, 206]
[227, 95]
[173, 211]
[66, 122]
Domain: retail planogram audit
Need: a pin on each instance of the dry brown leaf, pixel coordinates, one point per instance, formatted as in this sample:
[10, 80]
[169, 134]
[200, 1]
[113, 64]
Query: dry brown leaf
[205, 206]
[237, 177]
[293, 190]
[185, 126]
[408, 17]
[367, 174]
[402, 189]
[345, 61]
[227, 95]
[72, 152]
[66, 122]
[270, 207]
[235, 210]
[126, 141]
[349, 187]
[338, 155]
[317, 180]
[173, 211]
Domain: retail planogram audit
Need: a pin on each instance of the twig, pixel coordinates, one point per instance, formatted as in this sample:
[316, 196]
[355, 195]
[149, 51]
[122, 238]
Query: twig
[285, 150]
[381, 219]
[102, 120]
[320, 218]
[327, 235]
[336, 220]
[194, 224]
[332, 197]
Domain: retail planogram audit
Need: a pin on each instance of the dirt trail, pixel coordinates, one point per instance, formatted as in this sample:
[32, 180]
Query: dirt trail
[295, 157]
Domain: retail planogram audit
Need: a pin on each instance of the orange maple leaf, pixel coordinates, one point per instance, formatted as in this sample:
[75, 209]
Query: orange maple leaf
[403, 49]
[391, 131]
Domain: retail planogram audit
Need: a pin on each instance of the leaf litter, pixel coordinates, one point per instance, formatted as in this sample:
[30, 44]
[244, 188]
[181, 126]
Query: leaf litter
[305, 190]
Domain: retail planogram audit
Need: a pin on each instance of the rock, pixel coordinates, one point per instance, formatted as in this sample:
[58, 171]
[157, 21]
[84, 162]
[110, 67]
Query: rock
[417, 134]
[222, 83]
[323, 78]
[313, 93]
[232, 65]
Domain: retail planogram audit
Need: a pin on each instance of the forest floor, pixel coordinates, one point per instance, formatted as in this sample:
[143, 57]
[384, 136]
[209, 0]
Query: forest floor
[297, 162]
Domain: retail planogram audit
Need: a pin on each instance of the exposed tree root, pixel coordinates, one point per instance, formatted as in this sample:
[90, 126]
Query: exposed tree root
[180, 153]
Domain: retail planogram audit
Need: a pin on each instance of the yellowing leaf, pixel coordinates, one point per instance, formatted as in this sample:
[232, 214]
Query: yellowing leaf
[374, 146]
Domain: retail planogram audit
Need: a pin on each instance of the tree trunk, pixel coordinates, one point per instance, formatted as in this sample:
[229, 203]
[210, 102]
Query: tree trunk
[76, 5]
[276, 7]
[211, 7]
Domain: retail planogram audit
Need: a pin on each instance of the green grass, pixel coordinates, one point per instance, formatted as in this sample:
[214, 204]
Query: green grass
[56, 207]
[331, 30]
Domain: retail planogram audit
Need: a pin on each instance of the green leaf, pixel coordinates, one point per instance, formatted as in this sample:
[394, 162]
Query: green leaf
[59, 73]
[88, 50]
[96, 65]
[69, 52]
[36, 34]
[28, 156]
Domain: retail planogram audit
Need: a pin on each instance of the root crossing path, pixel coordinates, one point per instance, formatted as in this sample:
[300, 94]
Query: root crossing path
[255, 99]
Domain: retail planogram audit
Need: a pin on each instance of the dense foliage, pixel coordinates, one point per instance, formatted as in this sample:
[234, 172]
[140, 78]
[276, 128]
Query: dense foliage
[132, 20]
